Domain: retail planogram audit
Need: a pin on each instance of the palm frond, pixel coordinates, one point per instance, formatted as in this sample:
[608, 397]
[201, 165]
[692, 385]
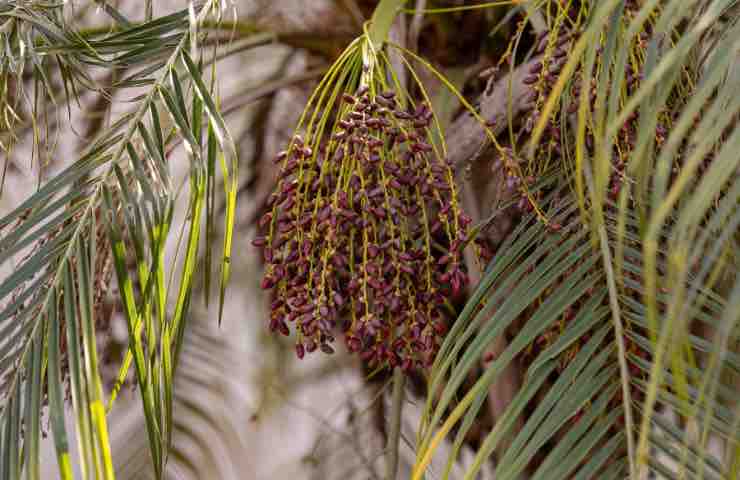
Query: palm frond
[571, 328]
[111, 210]
[647, 313]
[209, 412]
[535, 261]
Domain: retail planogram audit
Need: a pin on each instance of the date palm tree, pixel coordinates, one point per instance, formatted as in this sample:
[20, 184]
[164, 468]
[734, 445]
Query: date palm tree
[592, 179]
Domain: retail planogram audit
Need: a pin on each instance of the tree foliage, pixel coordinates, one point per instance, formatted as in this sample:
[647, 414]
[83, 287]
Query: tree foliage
[608, 131]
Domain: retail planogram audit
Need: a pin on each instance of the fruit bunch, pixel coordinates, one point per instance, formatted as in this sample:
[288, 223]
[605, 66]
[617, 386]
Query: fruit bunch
[365, 235]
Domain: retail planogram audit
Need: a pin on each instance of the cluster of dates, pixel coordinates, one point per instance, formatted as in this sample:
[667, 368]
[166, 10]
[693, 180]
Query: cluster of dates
[541, 77]
[365, 235]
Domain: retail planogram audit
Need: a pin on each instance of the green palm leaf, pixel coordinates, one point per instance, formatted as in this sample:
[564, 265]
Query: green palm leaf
[114, 204]
[652, 324]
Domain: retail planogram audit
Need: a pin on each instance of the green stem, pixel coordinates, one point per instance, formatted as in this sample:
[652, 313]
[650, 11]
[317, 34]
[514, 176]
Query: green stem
[619, 334]
[376, 32]
[395, 434]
